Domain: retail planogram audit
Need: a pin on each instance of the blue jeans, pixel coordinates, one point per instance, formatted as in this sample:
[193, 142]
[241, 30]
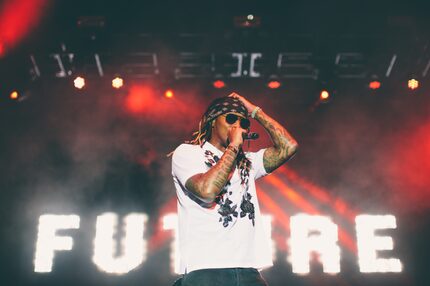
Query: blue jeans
[224, 277]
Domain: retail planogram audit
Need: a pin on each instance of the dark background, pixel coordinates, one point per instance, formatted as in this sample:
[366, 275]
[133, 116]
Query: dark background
[86, 152]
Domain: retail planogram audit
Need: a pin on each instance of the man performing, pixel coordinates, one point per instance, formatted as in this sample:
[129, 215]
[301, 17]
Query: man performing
[221, 236]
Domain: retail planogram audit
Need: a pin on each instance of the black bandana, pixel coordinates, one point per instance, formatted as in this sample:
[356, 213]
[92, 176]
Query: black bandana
[224, 105]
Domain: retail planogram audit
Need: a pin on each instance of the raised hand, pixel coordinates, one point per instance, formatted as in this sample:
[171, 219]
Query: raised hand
[248, 105]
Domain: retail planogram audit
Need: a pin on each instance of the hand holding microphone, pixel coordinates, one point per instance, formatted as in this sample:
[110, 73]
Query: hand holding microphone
[250, 136]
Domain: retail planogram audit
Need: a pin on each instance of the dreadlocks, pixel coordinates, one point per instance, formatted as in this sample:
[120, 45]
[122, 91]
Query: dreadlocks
[203, 134]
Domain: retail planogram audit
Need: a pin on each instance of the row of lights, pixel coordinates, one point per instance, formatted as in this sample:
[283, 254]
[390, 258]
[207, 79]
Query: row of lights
[118, 82]
[374, 84]
[413, 84]
[273, 84]
[79, 82]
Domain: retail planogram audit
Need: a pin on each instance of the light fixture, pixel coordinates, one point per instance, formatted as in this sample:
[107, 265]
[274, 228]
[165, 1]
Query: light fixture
[79, 82]
[117, 82]
[413, 84]
[218, 84]
[375, 84]
[324, 95]
[273, 84]
[169, 93]
[14, 95]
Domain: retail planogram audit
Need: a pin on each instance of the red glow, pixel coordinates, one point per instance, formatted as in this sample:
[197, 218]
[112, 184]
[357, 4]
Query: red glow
[139, 99]
[291, 195]
[324, 95]
[407, 165]
[321, 194]
[295, 198]
[160, 235]
[219, 84]
[169, 115]
[17, 19]
[274, 84]
[374, 84]
[279, 215]
[2, 49]
[347, 240]
[169, 93]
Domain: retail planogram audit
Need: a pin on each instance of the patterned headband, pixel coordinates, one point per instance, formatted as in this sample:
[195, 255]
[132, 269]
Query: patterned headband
[222, 106]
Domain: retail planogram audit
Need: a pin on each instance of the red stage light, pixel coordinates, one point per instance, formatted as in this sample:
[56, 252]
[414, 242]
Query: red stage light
[324, 95]
[117, 82]
[273, 84]
[17, 19]
[139, 99]
[14, 95]
[219, 84]
[79, 82]
[413, 84]
[374, 84]
[2, 49]
[168, 93]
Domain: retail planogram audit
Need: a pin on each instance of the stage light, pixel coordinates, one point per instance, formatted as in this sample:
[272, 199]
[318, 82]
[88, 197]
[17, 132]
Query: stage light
[117, 82]
[324, 95]
[169, 93]
[2, 49]
[218, 84]
[14, 95]
[374, 84]
[79, 82]
[273, 84]
[413, 84]
[247, 21]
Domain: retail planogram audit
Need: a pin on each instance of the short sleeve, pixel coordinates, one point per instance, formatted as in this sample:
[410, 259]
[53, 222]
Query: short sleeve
[187, 161]
[257, 163]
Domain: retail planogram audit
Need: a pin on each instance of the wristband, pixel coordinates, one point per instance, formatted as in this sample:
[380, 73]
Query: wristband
[254, 112]
[233, 148]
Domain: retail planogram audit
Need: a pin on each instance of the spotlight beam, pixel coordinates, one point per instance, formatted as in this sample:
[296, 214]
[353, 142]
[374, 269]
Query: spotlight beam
[299, 201]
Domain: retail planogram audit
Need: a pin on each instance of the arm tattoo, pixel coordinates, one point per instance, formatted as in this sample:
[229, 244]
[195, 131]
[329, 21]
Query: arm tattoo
[284, 145]
[208, 185]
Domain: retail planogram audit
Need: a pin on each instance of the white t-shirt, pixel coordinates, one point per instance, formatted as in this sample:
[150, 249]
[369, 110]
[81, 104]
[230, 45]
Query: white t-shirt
[219, 235]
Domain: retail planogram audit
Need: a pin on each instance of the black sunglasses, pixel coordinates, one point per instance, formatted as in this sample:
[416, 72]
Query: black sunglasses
[232, 118]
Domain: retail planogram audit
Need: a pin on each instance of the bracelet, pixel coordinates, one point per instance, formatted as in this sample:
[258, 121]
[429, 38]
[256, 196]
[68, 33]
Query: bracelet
[233, 148]
[254, 112]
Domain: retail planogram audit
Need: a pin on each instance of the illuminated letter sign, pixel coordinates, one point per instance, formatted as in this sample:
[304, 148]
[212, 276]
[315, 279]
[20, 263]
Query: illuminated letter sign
[368, 243]
[303, 242]
[133, 245]
[48, 241]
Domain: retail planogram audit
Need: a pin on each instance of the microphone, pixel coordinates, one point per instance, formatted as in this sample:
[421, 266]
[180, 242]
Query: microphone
[250, 136]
